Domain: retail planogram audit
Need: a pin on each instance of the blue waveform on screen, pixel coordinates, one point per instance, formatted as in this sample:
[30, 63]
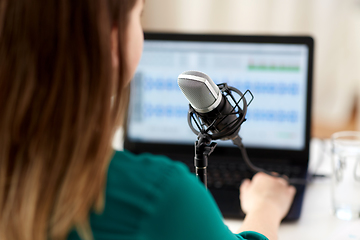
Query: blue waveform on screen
[170, 84]
[266, 87]
[272, 115]
[170, 111]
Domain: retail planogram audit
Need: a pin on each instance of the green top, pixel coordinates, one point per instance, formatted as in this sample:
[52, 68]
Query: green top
[153, 198]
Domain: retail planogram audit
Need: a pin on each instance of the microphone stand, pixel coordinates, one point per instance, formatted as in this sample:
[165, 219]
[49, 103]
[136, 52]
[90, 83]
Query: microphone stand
[203, 148]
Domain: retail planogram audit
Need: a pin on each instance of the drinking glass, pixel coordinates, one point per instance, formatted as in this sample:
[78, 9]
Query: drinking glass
[346, 174]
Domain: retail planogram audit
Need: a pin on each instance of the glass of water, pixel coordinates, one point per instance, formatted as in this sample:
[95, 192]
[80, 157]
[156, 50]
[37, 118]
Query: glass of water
[346, 174]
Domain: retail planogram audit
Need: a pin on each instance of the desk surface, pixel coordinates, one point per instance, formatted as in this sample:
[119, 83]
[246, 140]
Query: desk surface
[317, 221]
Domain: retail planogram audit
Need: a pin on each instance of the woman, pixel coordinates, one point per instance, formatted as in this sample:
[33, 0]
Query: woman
[65, 68]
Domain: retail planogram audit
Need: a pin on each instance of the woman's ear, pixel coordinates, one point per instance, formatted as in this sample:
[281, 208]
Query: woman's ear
[114, 47]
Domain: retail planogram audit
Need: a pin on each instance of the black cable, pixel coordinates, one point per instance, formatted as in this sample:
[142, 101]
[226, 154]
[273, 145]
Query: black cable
[293, 181]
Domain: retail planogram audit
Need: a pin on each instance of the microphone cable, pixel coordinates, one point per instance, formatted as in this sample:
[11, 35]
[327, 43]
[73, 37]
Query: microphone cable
[293, 181]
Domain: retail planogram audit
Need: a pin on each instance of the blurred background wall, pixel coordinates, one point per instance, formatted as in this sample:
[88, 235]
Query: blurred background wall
[334, 24]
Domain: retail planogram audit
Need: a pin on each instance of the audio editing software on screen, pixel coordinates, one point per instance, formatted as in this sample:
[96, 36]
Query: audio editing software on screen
[276, 74]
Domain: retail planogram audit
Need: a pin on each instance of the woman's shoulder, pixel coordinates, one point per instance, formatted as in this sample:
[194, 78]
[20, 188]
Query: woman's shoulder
[135, 185]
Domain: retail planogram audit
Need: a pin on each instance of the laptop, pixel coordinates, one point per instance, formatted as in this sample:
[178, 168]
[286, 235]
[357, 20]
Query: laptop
[278, 72]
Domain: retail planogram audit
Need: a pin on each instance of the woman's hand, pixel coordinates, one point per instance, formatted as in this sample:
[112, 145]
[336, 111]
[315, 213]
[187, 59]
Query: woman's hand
[265, 200]
[266, 191]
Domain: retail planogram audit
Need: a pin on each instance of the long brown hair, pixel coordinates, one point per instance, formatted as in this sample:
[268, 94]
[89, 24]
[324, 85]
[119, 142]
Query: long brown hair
[60, 104]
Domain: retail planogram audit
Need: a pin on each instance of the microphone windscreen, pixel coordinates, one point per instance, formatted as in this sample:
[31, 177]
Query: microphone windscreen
[202, 93]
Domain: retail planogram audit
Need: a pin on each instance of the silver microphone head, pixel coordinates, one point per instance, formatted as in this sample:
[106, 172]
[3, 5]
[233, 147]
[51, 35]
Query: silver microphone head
[202, 93]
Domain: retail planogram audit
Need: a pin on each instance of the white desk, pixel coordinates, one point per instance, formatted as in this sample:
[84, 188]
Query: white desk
[316, 221]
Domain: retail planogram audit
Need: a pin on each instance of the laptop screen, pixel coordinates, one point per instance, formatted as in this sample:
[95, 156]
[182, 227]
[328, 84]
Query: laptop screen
[275, 73]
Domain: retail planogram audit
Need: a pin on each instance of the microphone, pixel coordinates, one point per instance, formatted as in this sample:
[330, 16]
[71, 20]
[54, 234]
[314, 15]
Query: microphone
[211, 105]
[213, 114]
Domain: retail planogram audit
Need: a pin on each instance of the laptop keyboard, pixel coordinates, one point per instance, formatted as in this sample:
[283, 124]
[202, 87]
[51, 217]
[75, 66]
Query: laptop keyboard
[230, 175]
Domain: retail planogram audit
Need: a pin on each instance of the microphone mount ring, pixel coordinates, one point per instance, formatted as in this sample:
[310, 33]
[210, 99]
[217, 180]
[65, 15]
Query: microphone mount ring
[231, 128]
